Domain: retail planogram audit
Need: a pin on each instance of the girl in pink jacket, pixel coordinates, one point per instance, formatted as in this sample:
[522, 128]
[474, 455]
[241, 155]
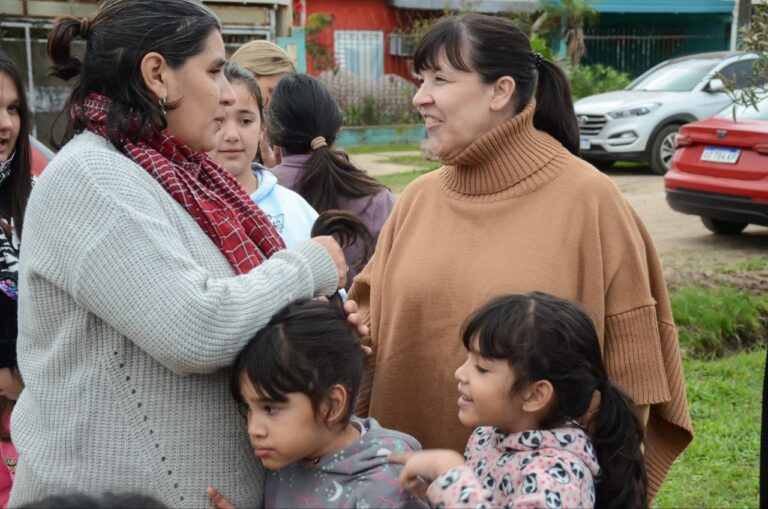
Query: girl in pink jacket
[533, 371]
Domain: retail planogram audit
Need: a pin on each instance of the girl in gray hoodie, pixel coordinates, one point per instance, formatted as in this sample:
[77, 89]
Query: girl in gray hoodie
[297, 382]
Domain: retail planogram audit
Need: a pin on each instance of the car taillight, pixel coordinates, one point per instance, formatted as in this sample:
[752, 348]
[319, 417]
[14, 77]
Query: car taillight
[681, 140]
[761, 148]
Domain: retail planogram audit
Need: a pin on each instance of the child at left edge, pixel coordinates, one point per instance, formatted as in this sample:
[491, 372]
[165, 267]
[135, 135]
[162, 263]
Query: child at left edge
[297, 381]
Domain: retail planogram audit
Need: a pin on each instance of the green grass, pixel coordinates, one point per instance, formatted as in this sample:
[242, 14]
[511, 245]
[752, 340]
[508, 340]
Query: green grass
[375, 149]
[755, 264]
[714, 321]
[720, 467]
[396, 182]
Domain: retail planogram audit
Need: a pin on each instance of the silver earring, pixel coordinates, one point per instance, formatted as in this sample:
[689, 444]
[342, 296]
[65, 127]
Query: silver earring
[161, 102]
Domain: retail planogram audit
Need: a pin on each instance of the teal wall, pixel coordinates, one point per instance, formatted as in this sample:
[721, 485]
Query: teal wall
[664, 6]
[296, 43]
[376, 135]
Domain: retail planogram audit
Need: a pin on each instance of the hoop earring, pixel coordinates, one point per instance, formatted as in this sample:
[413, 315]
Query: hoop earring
[161, 102]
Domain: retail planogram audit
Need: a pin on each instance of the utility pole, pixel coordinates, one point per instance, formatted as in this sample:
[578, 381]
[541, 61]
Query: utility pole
[742, 13]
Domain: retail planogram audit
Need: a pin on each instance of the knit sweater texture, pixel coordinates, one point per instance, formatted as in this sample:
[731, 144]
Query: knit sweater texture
[128, 315]
[512, 213]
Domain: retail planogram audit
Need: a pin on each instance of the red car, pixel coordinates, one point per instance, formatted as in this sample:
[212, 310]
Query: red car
[720, 170]
[40, 155]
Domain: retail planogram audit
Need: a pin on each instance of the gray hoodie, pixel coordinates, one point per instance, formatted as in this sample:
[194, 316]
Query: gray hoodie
[357, 476]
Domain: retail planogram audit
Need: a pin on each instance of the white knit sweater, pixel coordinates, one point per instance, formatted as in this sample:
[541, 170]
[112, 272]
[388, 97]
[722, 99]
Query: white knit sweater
[128, 315]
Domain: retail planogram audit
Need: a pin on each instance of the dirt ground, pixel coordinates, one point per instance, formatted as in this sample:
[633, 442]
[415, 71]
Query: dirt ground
[689, 252]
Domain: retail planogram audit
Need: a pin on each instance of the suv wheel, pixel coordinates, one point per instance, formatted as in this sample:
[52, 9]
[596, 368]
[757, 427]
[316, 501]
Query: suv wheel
[723, 227]
[601, 165]
[663, 148]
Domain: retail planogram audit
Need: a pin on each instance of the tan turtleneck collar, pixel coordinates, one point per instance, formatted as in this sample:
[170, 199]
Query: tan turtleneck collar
[512, 156]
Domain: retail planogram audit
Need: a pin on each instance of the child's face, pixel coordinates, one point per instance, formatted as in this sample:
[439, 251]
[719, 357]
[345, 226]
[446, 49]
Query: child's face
[10, 387]
[238, 139]
[283, 433]
[485, 394]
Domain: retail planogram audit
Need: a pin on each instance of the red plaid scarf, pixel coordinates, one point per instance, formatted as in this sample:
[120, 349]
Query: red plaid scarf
[238, 227]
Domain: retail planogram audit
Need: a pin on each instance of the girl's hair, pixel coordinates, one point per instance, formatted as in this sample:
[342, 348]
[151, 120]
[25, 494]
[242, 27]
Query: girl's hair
[347, 228]
[543, 337]
[307, 347]
[17, 187]
[300, 110]
[263, 58]
[237, 74]
[494, 47]
[118, 37]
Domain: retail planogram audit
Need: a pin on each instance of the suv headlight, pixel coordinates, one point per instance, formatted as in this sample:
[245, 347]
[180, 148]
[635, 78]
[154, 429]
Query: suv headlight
[634, 111]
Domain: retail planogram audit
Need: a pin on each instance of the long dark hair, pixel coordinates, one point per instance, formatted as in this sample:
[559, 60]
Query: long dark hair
[494, 47]
[300, 110]
[17, 187]
[543, 337]
[118, 37]
[307, 347]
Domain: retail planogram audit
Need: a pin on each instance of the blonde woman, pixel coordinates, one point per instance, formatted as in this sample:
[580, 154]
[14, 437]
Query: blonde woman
[269, 63]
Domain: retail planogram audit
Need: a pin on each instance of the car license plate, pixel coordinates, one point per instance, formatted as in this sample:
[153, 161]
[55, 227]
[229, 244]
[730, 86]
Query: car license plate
[720, 155]
[585, 144]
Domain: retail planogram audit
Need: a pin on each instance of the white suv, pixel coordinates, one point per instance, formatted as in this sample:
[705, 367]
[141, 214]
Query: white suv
[640, 122]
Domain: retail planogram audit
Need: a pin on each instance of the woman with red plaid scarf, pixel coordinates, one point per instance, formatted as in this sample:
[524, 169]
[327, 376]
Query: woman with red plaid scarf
[146, 268]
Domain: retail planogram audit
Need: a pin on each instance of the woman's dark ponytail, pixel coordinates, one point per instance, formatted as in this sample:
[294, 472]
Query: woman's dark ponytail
[64, 65]
[617, 434]
[327, 176]
[554, 107]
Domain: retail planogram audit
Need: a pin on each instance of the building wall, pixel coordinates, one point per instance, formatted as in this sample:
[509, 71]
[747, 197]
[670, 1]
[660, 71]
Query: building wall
[363, 15]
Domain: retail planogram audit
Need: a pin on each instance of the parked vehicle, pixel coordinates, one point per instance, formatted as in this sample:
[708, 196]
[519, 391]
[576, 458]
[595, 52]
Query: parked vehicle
[640, 122]
[720, 170]
[40, 155]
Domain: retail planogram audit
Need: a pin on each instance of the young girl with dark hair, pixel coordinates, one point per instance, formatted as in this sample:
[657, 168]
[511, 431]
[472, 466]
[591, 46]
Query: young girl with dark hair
[512, 210]
[15, 187]
[237, 144]
[297, 382]
[303, 120]
[532, 372]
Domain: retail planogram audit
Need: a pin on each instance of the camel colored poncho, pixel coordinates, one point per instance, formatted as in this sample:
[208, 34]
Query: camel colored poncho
[515, 212]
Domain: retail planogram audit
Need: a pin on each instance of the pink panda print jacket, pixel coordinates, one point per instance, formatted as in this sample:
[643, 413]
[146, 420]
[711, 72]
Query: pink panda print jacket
[551, 469]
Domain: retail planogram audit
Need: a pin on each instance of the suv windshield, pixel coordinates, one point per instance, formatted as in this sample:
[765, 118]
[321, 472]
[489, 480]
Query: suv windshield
[675, 77]
[747, 112]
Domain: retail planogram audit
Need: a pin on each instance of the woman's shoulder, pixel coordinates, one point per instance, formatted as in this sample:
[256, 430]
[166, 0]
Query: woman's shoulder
[86, 155]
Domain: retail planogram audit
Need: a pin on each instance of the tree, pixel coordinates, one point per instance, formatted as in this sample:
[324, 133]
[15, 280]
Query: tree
[754, 39]
[568, 17]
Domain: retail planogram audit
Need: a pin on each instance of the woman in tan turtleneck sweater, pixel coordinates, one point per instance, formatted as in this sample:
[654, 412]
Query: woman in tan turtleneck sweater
[513, 210]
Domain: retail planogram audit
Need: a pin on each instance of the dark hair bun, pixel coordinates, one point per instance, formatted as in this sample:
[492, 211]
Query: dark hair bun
[64, 64]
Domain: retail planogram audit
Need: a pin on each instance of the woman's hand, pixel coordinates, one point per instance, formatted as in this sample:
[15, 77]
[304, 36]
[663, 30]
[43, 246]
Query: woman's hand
[421, 468]
[219, 502]
[270, 156]
[334, 249]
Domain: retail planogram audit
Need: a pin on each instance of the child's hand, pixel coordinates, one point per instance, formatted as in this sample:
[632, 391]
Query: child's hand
[421, 468]
[219, 502]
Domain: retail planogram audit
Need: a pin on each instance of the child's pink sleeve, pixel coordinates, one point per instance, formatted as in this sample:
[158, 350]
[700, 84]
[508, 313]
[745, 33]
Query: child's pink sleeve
[7, 471]
[459, 488]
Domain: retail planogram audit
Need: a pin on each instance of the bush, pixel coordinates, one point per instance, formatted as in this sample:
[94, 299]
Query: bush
[714, 321]
[384, 101]
[596, 79]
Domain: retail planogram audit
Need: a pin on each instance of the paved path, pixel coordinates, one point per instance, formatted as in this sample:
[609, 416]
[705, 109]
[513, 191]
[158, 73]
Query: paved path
[374, 163]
